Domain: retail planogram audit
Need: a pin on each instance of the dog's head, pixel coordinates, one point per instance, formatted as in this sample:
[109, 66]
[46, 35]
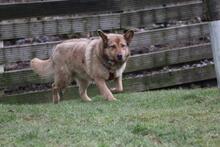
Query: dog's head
[115, 46]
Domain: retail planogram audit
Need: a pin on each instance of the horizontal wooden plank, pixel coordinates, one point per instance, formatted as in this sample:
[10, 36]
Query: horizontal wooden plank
[67, 25]
[24, 1]
[26, 52]
[136, 63]
[143, 83]
[20, 77]
[185, 33]
[36, 9]
[144, 39]
[169, 57]
[61, 7]
[167, 79]
[60, 26]
[146, 18]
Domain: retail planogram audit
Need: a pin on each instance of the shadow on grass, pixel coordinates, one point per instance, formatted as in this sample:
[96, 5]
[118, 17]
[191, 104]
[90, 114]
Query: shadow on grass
[30, 98]
[37, 97]
[43, 97]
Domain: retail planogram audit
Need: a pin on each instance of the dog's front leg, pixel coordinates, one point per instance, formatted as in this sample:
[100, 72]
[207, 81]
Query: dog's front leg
[104, 90]
[119, 85]
[55, 92]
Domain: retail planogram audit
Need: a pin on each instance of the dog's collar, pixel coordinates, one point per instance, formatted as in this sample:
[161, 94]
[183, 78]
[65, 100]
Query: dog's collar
[111, 76]
[108, 63]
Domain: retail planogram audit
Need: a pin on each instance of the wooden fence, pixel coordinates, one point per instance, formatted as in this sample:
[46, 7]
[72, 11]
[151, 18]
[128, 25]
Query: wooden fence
[89, 15]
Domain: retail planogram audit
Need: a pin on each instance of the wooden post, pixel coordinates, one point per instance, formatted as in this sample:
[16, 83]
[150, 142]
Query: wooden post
[1, 69]
[1, 66]
[2, 92]
[214, 27]
[1, 44]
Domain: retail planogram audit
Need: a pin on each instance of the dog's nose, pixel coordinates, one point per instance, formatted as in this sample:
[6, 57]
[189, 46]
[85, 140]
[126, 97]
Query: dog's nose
[119, 56]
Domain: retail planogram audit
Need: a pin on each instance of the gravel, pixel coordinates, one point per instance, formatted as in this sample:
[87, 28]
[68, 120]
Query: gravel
[168, 46]
[172, 68]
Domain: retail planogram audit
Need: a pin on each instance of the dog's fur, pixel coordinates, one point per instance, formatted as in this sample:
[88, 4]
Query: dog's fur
[85, 60]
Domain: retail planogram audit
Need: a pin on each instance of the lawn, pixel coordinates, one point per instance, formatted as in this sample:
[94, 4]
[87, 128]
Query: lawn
[157, 118]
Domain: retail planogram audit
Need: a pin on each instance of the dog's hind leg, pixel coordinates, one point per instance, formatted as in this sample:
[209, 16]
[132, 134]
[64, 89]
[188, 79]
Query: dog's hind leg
[83, 85]
[55, 93]
[61, 80]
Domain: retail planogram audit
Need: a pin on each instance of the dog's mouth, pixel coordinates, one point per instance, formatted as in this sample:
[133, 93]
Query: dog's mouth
[116, 62]
[111, 62]
[121, 60]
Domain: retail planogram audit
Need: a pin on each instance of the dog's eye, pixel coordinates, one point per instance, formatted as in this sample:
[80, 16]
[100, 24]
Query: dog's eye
[123, 45]
[112, 46]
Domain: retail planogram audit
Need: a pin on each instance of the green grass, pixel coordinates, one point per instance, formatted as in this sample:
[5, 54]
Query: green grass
[158, 118]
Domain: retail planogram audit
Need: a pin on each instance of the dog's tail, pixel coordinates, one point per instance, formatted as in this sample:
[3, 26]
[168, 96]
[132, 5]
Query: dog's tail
[44, 68]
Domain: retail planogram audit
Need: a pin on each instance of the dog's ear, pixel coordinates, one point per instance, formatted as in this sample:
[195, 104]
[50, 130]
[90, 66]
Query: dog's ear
[103, 36]
[128, 35]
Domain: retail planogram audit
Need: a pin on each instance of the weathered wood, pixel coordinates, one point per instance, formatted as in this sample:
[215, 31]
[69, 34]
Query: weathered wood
[21, 77]
[1, 68]
[26, 52]
[143, 83]
[143, 18]
[214, 27]
[213, 7]
[169, 57]
[60, 26]
[1, 44]
[178, 77]
[23, 1]
[136, 63]
[36, 9]
[140, 18]
[186, 33]
[141, 40]
[61, 7]
[2, 93]
[126, 5]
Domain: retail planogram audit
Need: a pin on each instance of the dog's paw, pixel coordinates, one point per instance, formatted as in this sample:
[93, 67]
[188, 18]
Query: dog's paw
[87, 99]
[115, 90]
[56, 99]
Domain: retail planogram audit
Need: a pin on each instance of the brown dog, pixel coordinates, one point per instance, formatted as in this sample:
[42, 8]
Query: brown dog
[85, 60]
